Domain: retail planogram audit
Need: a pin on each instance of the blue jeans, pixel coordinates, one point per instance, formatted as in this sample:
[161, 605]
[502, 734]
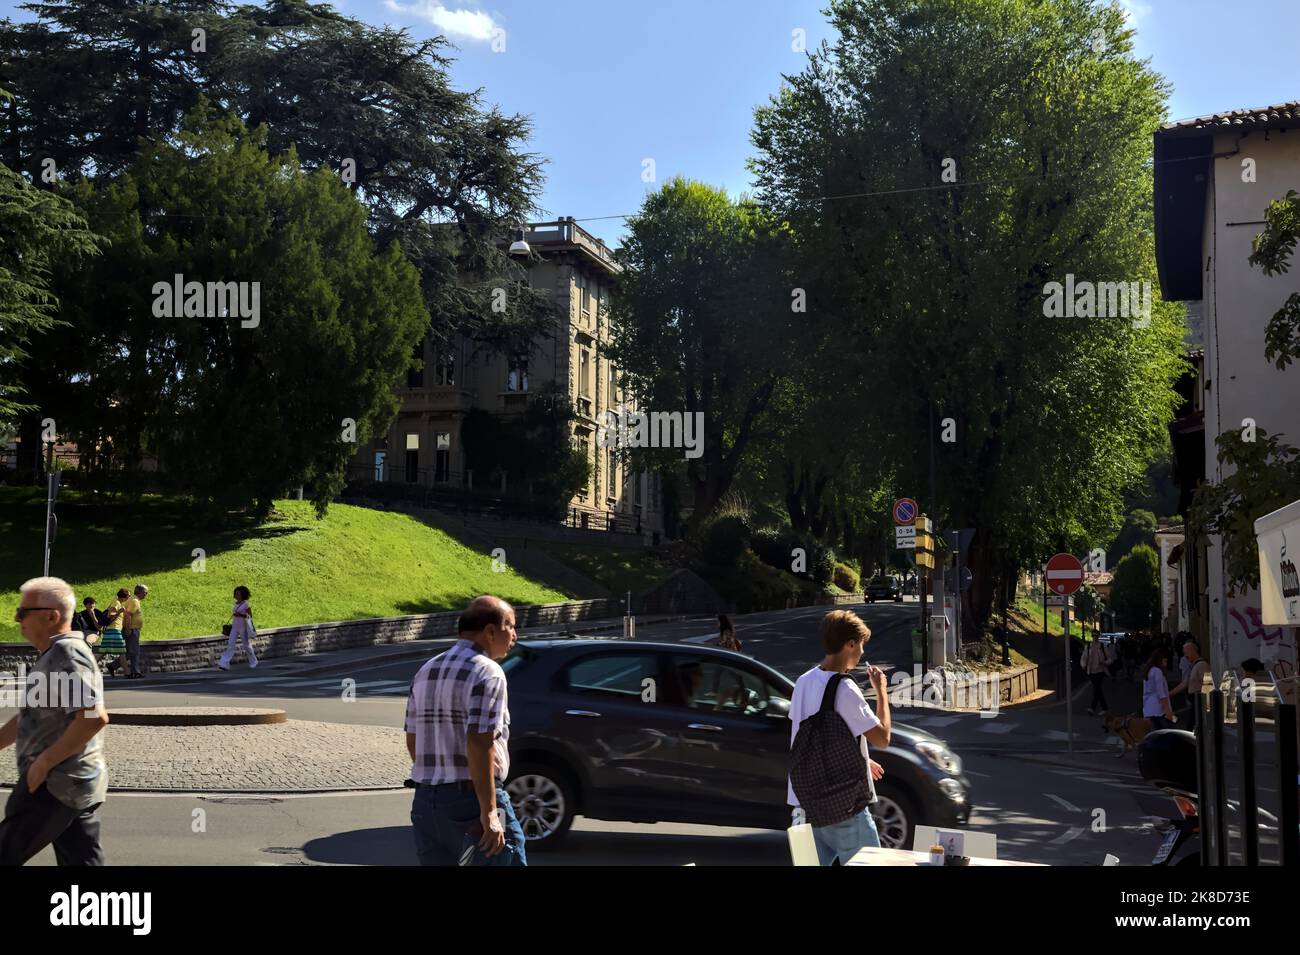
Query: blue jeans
[842, 840]
[440, 815]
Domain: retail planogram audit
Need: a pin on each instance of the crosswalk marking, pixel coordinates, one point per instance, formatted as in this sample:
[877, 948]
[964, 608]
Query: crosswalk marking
[998, 728]
[939, 722]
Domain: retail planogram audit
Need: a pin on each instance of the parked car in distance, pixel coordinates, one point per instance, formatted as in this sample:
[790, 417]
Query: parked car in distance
[884, 588]
[634, 731]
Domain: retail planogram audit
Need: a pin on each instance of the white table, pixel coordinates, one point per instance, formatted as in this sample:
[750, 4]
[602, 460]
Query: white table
[871, 856]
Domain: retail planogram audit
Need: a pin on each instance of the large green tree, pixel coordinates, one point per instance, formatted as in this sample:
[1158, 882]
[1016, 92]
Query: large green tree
[943, 162]
[434, 167]
[39, 228]
[246, 401]
[1135, 592]
[703, 324]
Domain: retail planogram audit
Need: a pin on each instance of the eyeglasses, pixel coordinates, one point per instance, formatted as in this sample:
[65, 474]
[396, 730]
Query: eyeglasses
[24, 611]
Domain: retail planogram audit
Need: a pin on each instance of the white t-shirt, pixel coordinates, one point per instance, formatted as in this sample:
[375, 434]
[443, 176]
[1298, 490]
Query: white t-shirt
[849, 703]
[1154, 689]
[239, 625]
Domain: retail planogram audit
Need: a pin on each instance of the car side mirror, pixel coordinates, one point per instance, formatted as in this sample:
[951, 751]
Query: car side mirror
[778, 707]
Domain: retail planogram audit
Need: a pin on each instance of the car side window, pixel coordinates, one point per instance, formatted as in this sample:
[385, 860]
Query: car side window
[628, 676]
[718, 688]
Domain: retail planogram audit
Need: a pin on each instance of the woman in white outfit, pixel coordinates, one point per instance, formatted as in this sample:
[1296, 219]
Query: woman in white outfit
[241, 628]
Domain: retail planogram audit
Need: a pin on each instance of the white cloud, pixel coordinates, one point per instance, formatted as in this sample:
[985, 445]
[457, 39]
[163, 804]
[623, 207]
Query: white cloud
[463, 24]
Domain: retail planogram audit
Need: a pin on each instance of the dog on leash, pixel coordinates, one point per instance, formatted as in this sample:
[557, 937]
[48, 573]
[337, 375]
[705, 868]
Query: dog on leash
[1131, 730]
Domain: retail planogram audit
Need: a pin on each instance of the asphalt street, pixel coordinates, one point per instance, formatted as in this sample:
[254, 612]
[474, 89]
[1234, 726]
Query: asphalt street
[1043, 805]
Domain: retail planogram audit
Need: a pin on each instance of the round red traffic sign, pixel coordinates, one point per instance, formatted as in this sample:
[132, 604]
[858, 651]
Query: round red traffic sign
[905, 511]
[1064, 574]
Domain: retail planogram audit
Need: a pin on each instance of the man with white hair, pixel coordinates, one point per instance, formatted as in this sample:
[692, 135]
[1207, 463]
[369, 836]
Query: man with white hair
[62, 777]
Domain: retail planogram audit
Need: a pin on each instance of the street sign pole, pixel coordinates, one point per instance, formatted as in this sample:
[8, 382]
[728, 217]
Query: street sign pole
[1063, 576]
[1069, 684]
[51, 527]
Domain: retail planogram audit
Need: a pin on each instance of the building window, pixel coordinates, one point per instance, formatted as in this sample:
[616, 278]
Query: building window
[636, 489]
[412, 458]
[517, 376]
[445, 371]
[442, 457]
[584, 295]
[612, 462]
[611, 399]
[584, 373]
[583, 444]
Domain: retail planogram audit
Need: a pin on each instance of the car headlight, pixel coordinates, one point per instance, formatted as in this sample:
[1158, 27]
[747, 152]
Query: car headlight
[942, 757]
[953, 790]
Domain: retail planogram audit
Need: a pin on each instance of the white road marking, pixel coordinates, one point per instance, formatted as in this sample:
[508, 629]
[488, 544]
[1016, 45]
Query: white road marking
[1064, 804]
[253, 679]
[939, 722]
[1074, 833]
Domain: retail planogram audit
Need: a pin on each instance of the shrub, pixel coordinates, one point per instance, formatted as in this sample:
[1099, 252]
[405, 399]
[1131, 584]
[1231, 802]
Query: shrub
[725, 539]
[821, 562]
[772, 546]
[845, 578]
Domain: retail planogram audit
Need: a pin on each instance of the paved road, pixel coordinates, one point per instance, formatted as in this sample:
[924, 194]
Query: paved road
[1042, 806]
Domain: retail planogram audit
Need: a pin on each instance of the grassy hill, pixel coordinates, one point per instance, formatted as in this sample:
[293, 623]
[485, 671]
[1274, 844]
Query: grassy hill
[355, 563]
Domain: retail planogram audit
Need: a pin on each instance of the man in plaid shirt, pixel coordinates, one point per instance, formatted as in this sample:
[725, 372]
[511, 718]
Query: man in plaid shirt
[458, 732]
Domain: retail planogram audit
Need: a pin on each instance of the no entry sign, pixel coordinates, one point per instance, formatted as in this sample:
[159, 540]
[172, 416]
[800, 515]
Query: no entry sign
[1064, 574]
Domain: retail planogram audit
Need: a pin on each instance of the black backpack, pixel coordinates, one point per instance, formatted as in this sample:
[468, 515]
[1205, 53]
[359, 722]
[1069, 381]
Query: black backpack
[829, 776]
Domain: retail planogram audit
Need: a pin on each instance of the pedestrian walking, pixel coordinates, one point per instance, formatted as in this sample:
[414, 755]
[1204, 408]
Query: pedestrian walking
[458, 734]
[1190, 687]
[1155, 691]
[112, 644]
[727, 634]
[240, 629]
[132, 624]
[1097, 666]
[831, 772]
[62, 776]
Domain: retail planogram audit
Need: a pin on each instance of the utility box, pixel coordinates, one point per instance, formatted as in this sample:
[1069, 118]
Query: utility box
[938, 640]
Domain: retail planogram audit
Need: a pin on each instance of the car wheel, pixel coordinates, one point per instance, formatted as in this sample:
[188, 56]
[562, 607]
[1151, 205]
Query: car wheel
[544, 802]
[895, 815]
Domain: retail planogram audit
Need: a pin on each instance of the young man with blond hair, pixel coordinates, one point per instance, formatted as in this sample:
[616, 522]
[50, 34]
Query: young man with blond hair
[844, 638]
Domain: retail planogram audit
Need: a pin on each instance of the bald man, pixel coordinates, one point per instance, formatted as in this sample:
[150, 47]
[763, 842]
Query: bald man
[62, 777]
[458, 734]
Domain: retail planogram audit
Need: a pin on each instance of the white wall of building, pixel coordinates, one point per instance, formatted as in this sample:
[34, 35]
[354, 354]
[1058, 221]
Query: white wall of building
[1239, 300]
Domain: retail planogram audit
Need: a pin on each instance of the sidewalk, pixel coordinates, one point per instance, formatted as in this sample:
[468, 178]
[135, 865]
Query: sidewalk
[338, 661]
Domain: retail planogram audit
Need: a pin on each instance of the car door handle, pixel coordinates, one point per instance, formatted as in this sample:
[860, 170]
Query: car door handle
[704, 726]
[587, 713]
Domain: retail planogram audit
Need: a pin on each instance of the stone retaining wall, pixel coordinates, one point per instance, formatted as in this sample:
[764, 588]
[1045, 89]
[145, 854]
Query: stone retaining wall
[197, 653]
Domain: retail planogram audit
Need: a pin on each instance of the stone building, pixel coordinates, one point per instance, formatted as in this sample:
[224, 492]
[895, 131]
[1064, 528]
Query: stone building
[423, 443]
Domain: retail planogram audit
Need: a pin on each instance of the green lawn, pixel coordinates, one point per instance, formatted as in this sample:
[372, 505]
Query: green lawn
[618, 569]
[356, 563]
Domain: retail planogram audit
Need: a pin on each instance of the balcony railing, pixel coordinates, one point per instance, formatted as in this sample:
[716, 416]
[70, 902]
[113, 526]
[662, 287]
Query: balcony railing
[568, 232]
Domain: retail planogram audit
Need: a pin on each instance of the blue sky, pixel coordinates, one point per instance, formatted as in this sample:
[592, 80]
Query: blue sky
[610, 83]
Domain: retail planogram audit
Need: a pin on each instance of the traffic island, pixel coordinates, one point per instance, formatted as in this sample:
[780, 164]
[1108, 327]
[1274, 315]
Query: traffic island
[195, 716]
[242, 750]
